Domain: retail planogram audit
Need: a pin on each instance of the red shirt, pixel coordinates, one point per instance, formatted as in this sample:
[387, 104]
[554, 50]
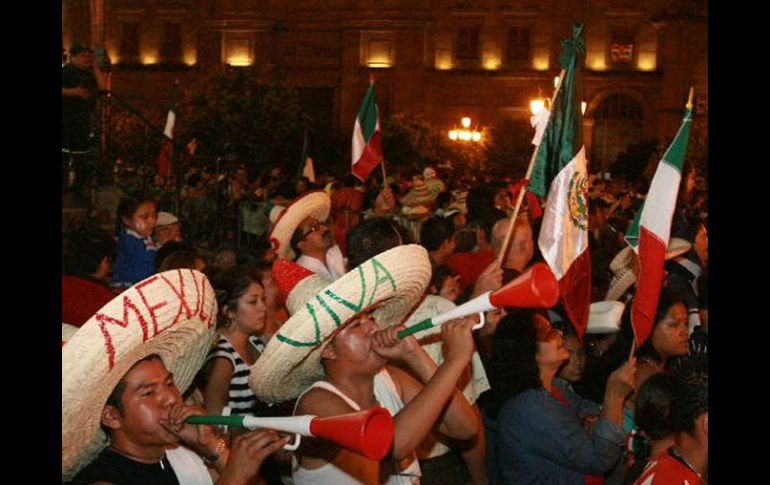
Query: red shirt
[469, 266]
[81, 299]
[667, 468]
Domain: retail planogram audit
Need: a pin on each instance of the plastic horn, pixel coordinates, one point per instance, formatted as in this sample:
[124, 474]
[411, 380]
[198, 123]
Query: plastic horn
[368, 433]
[537, 288]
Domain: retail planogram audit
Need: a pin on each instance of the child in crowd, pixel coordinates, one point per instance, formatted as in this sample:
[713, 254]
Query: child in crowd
[137, 249]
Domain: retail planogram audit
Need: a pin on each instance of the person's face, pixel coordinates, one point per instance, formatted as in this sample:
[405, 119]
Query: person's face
[450, 289]
[225, 259]
[171, 232]
[143, 220]
[550, 344]
[353, 343]
[671, 335]
[149, 395]
[84, 60]
[251, 313]
[316, 234]
[573, 369]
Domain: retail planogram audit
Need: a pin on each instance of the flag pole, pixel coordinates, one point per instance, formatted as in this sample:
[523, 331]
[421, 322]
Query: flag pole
[633, 349]
[522, 192]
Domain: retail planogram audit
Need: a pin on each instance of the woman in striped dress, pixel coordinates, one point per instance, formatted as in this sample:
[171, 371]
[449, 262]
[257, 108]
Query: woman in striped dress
[241, 322]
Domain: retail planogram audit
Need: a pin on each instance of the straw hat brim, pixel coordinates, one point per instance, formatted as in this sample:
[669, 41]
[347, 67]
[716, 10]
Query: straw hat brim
[314, 204]
[392, 282]
[604, 317]
[67, 331]
[621, 266]
[171, 314]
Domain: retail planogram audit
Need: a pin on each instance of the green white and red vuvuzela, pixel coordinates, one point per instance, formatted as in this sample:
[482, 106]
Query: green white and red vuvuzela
[167, 145]
[648, 235]
[560, 174]
[367, 141]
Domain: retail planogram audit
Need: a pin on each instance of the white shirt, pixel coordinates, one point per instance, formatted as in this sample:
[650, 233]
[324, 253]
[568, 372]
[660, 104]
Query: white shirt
[332, 270]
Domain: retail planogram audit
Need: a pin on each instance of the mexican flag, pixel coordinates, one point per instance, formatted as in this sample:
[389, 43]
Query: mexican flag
[167, 146]
[650, 231]
[367, 141]
[560, 174]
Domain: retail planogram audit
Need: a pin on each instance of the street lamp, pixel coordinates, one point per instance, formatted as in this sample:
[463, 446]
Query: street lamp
[465, 133]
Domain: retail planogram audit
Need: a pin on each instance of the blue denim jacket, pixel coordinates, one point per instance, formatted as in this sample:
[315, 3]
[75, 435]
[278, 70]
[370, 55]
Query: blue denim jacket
[539, 440]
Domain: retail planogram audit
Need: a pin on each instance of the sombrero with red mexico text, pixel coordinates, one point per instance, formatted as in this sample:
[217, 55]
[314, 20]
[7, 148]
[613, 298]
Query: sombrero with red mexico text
[314, 204]
[391, 284]
[171, 314]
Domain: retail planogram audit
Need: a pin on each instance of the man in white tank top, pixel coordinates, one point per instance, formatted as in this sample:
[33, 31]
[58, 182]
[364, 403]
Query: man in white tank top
[357, 377]
[333, 354]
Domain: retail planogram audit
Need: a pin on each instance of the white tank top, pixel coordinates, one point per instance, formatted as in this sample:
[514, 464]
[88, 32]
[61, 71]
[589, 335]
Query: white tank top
[405, 472]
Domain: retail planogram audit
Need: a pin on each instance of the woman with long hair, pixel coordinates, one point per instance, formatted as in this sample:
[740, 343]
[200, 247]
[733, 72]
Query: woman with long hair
[540, 434]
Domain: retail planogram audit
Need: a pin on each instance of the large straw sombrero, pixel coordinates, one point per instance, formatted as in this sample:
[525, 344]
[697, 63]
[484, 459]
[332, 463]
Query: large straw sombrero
[621, 266]
[171, 314]
[604, 317]
[392, 282]
[314, 204]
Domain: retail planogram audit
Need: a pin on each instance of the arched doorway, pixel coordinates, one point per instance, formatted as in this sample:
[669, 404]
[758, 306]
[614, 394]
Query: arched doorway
[618, 123]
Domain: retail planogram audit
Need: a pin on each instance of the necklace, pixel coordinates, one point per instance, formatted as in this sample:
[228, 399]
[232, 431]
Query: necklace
[679, 457]
[140, 459]
[652, 363]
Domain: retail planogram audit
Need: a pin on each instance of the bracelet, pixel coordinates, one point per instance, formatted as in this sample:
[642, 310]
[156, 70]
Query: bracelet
[214, 457]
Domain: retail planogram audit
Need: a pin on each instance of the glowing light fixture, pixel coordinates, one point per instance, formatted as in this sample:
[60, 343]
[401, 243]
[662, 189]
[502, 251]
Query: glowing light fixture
[583, 106]
[465, 133]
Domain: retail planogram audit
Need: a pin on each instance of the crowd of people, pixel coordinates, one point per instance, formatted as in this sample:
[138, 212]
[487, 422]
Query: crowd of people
[307, 319]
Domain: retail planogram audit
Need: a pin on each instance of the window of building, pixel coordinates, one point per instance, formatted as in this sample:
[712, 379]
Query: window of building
[129, 43]
[171, 48]
[519, 46]
[622, 47]
[467, 43]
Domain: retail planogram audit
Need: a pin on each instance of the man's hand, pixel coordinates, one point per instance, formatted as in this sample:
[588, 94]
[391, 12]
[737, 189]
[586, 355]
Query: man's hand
[388, 345]
[623, 380]
[200, 437]
[491, 321]
[248, 453]
[385, 201]
[490, 279]
[458, 340]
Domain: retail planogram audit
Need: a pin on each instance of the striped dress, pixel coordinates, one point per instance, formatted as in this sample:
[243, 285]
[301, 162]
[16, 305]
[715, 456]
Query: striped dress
[241, 399]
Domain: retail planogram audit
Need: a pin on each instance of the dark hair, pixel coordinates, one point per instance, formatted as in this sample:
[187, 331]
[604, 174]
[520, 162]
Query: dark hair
[115, 399]
[86, 248]
[296, 238]
[184, 258]
[435, 230]
[79, 48]
[667, 299]
[441, 273]
[466, 238]
[128, 206]
[169, 248]
[512, 368]
[373, 236]
[230, 285]
[692, 392]
[654, 406]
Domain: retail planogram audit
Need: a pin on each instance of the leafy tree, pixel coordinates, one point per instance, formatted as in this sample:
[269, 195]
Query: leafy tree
[509, 148]
[236, 112]
[412, 141]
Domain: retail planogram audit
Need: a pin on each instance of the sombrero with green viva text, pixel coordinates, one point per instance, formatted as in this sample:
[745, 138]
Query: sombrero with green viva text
[390, 284]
